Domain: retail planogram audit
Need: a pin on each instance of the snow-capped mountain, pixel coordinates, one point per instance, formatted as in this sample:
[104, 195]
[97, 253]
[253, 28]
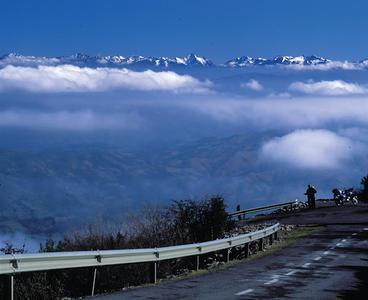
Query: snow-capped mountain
[81, 59]
[245, 61]
[191, 60]
[18, 59]
[300, 60]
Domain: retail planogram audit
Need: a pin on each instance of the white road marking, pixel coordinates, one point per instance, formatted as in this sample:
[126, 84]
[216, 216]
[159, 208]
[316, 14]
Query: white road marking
[355, 233]
[244, 292]
[306, 265]
[291, 273]
[247, 280]
[271, 281]
[365, 228]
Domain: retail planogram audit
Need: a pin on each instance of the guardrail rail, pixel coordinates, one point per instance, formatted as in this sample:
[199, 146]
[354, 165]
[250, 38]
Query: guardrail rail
[12, 264]
[242, 213]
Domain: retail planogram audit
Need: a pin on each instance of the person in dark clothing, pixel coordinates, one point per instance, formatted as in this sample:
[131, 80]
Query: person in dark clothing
[311, 192]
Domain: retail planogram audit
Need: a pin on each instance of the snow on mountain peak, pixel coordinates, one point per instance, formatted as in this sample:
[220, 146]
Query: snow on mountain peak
[19, 59]
[191, 60]
[244, 61]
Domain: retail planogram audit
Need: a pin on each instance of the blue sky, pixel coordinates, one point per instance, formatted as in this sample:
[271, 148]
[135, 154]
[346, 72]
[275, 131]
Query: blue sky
[217, 29]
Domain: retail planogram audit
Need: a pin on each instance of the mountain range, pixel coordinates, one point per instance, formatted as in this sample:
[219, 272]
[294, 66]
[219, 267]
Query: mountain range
[190, 60]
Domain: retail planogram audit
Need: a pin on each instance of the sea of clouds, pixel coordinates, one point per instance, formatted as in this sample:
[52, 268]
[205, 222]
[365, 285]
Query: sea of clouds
[315, 116]
[305, 125]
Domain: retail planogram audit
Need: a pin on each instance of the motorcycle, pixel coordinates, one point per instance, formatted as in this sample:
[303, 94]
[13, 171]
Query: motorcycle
[344, 197]
[351, 196]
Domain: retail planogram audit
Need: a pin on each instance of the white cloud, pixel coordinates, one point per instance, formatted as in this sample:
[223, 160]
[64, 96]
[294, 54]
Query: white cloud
[253, 85]
[68, 78]
[311, 149]
[329, 88]
[66, 120]
[332, 65]
[285, 113]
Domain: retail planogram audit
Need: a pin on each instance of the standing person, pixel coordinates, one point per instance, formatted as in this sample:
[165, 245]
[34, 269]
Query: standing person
[311, 192]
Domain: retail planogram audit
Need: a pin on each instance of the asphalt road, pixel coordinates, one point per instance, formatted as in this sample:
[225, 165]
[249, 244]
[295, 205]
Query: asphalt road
[328, 264]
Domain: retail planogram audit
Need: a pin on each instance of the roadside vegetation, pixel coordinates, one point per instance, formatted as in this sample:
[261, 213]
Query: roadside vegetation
[182, 222]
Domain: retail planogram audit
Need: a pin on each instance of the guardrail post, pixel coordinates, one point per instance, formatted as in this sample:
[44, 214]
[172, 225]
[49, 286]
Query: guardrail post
[271, 239]
[197, 262]
[228, 255]
[276, 237]
[260, 244]
[154, 272]
[94, 282]
[12, 287]
[246, 246]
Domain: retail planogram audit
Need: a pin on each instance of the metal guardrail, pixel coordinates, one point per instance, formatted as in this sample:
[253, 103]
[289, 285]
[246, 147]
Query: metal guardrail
[12, 264]
[261, 208]
[324, 200]
[17, 263]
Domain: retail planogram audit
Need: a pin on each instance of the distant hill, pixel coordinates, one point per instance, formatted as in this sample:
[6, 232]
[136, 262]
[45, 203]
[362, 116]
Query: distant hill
[70, 185]
[54, 190]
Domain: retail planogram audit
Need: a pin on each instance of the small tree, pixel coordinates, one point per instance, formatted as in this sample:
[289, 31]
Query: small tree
[217, 217]
[199, 221]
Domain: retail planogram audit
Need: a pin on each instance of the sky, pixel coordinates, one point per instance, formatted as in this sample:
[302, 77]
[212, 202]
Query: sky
[219, 30]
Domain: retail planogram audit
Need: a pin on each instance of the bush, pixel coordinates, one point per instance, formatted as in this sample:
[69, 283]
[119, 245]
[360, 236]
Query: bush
[199, 221]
